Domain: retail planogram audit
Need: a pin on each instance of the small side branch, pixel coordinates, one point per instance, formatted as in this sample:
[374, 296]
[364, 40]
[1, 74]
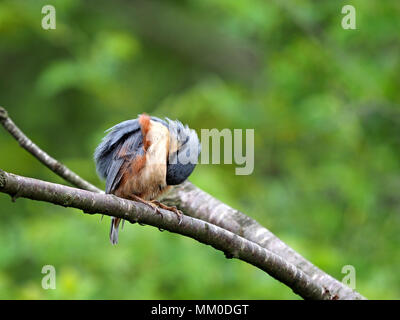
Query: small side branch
[42, 156]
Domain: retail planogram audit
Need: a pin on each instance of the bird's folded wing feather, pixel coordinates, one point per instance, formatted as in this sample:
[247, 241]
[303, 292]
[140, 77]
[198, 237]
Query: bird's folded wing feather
[123, 143]
[124, 153]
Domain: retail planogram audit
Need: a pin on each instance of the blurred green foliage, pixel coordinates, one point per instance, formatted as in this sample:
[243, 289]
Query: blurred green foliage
[324, 103]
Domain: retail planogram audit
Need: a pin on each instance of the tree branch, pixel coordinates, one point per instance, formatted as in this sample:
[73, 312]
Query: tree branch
[199, 204]
[231, 244]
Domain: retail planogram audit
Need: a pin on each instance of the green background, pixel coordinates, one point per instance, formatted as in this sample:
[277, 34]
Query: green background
[324, 103]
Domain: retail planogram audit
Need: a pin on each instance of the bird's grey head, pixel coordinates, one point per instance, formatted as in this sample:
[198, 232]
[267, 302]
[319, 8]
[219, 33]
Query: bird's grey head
[184, 151]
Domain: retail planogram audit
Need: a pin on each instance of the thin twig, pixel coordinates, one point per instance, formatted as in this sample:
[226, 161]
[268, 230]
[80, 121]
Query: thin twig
[231, 244]
[42, 156]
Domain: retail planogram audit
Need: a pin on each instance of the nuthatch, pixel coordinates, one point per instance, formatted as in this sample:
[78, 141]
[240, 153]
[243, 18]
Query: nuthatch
[141, 158]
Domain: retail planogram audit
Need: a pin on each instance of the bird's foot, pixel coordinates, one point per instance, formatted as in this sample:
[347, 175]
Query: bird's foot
[173, 209]
[148, 203]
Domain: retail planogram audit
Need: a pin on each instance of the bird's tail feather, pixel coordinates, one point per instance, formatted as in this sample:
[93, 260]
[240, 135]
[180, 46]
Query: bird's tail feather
[114, 230]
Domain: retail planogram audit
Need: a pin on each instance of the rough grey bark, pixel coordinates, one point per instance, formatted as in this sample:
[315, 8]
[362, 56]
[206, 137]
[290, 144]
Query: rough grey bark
[197, 203]
[231, 244]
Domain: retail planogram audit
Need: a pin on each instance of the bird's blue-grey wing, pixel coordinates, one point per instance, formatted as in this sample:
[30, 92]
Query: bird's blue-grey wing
[104, 153]
[114, 175]
[128, 151]
[123, 143]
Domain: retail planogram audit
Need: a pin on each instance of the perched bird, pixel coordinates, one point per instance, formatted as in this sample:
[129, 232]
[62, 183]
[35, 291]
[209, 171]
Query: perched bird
[140, 158]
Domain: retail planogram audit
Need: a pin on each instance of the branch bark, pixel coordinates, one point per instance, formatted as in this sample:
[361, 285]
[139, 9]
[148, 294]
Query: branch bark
[231, 244]
[199, 204]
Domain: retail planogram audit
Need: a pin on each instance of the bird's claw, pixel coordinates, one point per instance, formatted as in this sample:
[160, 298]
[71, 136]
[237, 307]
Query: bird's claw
[156, 209]
[173, 209]
[178, 213]
[151, 204]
